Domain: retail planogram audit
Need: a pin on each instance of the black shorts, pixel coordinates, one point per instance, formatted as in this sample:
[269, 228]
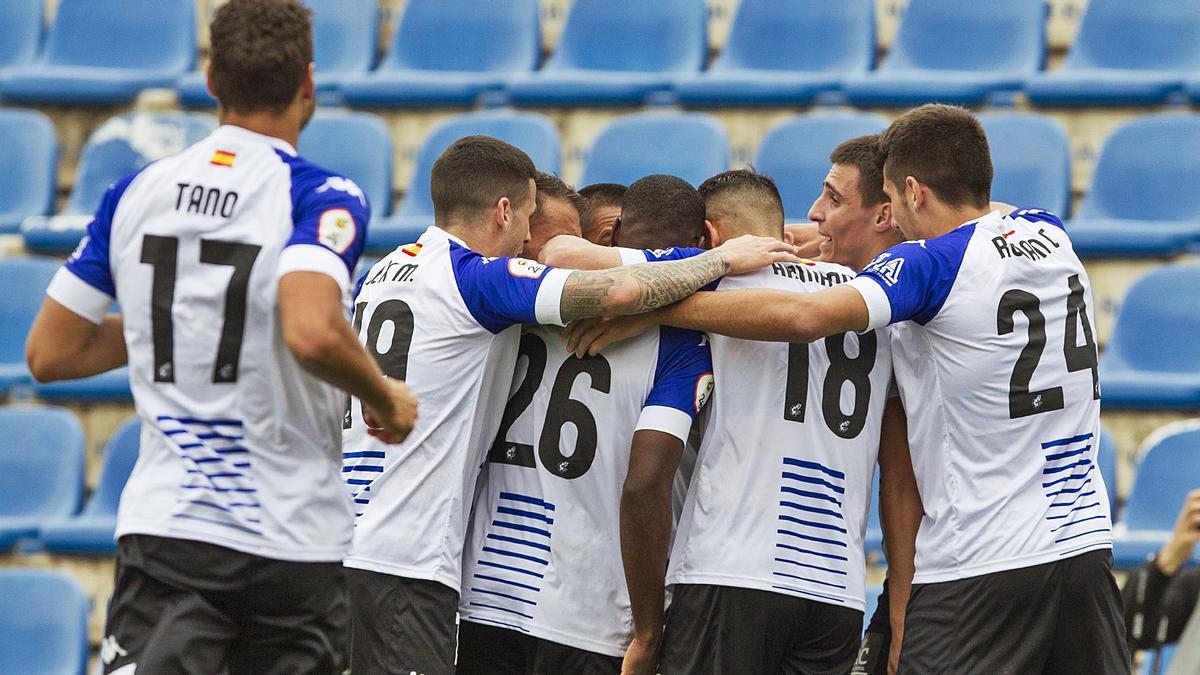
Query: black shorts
[1061, 617]
[401, 625]
[184, 606]
[492, 650]
[722, 630]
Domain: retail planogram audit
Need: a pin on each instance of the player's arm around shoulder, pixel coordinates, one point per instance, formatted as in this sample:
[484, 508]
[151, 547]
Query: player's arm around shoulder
[571, 252]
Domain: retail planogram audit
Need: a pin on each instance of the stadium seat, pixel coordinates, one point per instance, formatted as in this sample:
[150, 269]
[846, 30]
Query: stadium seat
[533, 133]
[951, 51]
[345, 39]
[448, 52]
[1168, 470]
[22, 34]
[41, 469]
[119, 147]
[92, 531]
[617, 52]
[28, 167]
[795, 152]
[1143, 200]
[1031, 157]
[761, 64]
[24, 281]
[357, 145]
[692, 146]
[1152, 361]
[1125, 53]
[43, 623]
[1106, 458]
[144, 44]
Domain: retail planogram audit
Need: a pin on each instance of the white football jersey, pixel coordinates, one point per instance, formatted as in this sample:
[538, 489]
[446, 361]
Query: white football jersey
[240, 446]
[445, 319]
[544, 556]
[995, 359]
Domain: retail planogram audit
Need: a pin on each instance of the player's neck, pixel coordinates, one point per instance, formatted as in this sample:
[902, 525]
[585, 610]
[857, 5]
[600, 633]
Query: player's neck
[476, 238]
[944, 219]
[283, 127]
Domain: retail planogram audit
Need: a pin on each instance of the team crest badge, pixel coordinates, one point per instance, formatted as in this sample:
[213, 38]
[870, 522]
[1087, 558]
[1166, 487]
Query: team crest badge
[336, 229]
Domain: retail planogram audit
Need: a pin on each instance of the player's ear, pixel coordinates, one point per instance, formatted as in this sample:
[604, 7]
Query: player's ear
[502, 213]
[883, 217]
[914, 192]
[711, 234]
[208, 80]
[614, 231]
[308, 88]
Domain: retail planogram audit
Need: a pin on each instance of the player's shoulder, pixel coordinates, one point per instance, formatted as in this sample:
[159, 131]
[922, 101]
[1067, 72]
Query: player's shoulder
[1034, 216]
[806, 276]
[314, 182]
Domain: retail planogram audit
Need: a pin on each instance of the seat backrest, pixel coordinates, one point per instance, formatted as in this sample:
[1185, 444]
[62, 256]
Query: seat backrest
[24, 281]
[470, 35]
[1148, 169]
[1031, 158]
[692, 146]
[41, 462]
[531, 132]
[345, 35]
[28, 163]
[633, 35]
[997, 35]
[22, 34]
[43, 623]
[1168, 470]
[357, 145]
[766, 33]
[120, 454]
[1106, 457]
[795, 152]
[137, 34]
[1157, 325]
[1159, 35]
[125, 144]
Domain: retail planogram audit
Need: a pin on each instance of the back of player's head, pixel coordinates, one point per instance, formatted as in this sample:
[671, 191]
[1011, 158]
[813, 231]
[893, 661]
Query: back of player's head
[601, 198]
[550, 186]
[660, 211]
[944, 148]
[862, 153]
[260, 54]
[743, 201]
[475, 173]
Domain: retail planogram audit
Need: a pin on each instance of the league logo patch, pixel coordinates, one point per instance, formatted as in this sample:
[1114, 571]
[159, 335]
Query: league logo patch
[704, 389]
[343, 185]
[525, 268]
[336, 229]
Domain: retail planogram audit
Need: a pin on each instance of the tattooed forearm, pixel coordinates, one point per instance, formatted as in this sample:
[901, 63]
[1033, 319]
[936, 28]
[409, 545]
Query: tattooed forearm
[639, 288]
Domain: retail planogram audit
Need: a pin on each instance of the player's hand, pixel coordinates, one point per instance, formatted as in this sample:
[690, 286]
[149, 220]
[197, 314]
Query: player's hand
[749, 253]
[1183, 540]
[394, 426]
[588, 337]
[641, 658]
[806, 239]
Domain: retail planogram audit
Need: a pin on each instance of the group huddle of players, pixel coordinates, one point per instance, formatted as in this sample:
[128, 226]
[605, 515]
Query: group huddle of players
[647, 450]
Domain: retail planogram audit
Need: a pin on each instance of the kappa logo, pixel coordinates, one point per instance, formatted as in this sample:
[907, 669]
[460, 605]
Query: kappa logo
[336, 229]
[110, 650]
[344, 185]
[79, 249]
[704, 390]
[525, 269]
[888, 270]
[662, 252]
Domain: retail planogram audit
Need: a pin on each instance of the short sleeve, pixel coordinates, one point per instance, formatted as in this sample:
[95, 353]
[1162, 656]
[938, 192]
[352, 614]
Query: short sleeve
[330, 214]
[683, 382]
[502, 292]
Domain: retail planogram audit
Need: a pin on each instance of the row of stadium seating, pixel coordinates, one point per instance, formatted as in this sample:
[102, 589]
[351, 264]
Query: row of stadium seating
[619, 52]
[1142, 201]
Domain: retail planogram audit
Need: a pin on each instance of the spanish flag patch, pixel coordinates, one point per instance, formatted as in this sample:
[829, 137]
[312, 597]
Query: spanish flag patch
[411, 250]
[222, 158]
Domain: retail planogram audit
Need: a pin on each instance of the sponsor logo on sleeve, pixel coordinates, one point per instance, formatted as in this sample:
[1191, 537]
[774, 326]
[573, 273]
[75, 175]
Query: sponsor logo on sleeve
[704, 389]
[336, 229]
[887, 268]
[346, 185]
[525, 268]
[79, 249]
[662, 252]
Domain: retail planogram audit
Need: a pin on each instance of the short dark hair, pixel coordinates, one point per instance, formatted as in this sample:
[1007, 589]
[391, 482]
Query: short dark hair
[746, 196]
[598, 195]
[863, 154]
[553, 187]
[661, 211]
[473, 174]
[944, 147]
[260, 53]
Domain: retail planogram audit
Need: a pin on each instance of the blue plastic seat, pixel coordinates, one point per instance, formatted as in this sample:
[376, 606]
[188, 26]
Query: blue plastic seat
[119, 147]
[761, 64]
[1152, 361]
[1168, 470]
[1125, 53]
[41, 469]
[448, 52]
[951, 51]
[357, 145]
[24, 281]
[105, 53]
[43, 623]
[1031, 157]
[1143, 200]
[28, 166]
[531, 132]
[795, 152]
[617, 52]
[92, 531]
[345, 39]
[692, 146]
[22, 34]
